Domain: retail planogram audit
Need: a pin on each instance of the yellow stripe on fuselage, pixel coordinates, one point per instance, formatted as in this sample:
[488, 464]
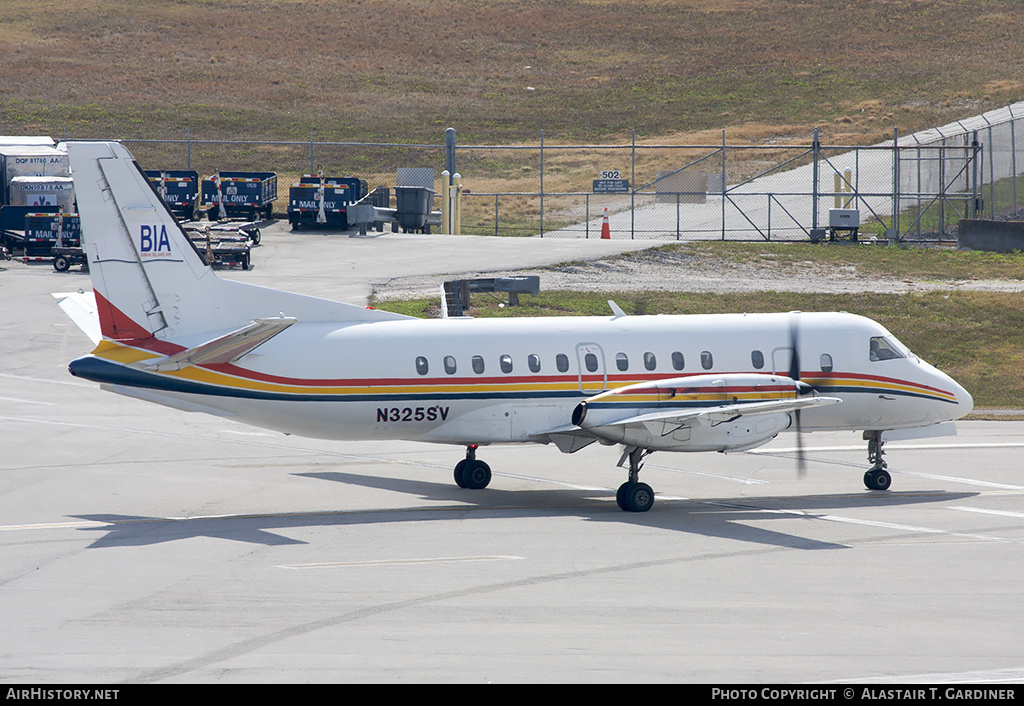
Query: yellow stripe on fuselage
[129, 355]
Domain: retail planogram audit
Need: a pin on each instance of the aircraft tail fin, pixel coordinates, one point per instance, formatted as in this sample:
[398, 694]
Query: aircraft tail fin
[149, 280]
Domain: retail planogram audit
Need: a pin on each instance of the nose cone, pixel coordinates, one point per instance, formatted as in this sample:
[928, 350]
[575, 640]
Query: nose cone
[964, 401]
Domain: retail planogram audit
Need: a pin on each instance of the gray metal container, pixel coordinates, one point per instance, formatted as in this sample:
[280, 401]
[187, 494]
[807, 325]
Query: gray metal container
[43, 191]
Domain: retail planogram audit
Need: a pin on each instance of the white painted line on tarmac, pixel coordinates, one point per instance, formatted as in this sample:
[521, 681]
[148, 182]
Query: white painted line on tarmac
[17, 399]
[55, 525]
[901, 445]
[915, 529]
[399, 562]
[69, 383]
[1001, 513]
[732, 479]
[965, 481]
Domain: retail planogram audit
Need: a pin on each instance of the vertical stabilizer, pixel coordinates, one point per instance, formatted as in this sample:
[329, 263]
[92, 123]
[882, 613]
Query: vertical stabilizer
[140, 260]
[149, 280]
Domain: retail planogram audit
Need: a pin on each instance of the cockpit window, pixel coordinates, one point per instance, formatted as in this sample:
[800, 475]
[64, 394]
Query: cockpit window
[881, 348]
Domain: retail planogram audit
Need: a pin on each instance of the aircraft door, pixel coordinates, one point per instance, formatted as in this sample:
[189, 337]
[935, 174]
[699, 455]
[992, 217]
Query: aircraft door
[782, 358]
[593, 375]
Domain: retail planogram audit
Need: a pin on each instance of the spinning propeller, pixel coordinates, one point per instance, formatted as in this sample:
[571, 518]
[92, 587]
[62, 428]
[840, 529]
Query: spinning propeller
[802, 388]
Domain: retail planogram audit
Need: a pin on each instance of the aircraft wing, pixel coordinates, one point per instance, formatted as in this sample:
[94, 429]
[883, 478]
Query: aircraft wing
[570, 437]
[666, 421]
[227, 348]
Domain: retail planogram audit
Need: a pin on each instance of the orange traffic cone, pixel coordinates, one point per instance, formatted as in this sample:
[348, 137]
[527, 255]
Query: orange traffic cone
[606, 231]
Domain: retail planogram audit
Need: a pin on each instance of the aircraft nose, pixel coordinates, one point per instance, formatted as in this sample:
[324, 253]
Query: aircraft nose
[964, 401]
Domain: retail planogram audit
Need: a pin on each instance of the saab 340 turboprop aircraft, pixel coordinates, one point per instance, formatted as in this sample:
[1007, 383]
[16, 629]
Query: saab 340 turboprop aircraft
[171, 331]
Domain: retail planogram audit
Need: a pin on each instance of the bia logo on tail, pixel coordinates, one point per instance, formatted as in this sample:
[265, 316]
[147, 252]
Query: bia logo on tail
[153, 241]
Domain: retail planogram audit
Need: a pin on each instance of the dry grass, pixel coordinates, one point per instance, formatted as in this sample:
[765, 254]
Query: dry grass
[403, 70]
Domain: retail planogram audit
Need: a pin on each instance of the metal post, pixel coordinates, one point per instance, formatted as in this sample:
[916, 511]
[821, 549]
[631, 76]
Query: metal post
[919, 190]
[677, 215]
[312, 169]
[446, 203]
[495, 214]
[1013, 162]
[457, 205]
[449, 151]
[542, 183]
[856, 188]
[991, 173]
[942, 190]
[632, 190]
[974, 175]
[814, 205]
[723, 184]
[188, 135]
[896, 184]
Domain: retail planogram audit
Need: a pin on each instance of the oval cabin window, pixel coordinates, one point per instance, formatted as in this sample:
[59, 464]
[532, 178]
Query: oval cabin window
[826, 363]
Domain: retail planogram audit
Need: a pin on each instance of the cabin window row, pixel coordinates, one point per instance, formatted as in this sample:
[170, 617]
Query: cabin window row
[533, 362]
[593, 365]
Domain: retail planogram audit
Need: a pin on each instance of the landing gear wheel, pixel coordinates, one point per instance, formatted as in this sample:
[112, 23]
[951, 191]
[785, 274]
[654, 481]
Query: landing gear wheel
[635, 497]
[878, 479]
[476, 475]
[472, 474]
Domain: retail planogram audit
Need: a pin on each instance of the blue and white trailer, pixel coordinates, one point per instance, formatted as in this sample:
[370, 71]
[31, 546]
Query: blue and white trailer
[323, 201]
[239, 194]
[179, 189]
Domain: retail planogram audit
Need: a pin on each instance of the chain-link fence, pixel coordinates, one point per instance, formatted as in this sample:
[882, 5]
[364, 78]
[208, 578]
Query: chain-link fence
[911, 188]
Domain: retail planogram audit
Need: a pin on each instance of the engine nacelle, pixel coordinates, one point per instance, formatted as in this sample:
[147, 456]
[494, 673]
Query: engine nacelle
[697, 434]
[695, 413]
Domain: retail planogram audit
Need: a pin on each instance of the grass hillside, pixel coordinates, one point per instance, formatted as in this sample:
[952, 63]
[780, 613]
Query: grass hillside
[501, 71]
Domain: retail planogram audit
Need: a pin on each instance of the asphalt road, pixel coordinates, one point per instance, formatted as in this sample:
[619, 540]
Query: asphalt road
[141, 544]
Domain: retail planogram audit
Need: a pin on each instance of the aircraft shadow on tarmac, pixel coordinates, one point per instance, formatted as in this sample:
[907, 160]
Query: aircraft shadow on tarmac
[724, 518]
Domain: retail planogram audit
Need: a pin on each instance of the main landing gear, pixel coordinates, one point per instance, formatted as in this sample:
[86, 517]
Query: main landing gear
[877, 478]
[472, 473]
[634, 496]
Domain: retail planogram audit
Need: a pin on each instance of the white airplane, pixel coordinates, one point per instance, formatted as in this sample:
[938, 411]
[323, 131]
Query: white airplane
[171, 331]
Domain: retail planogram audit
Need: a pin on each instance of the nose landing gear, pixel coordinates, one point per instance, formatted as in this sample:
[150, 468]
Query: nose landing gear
[877, 478]
[634, 496]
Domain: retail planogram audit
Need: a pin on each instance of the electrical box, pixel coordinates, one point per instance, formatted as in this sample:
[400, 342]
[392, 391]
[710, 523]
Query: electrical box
[843, 218]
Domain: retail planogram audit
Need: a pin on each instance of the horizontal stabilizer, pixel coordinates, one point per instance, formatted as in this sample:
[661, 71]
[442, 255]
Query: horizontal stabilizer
[227, 348]
[81, 308]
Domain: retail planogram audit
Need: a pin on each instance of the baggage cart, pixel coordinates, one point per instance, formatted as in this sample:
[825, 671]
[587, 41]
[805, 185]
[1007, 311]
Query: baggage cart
[239, 194]
[179, 189]
[35, 231]
[323, 201]
[223, 248]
